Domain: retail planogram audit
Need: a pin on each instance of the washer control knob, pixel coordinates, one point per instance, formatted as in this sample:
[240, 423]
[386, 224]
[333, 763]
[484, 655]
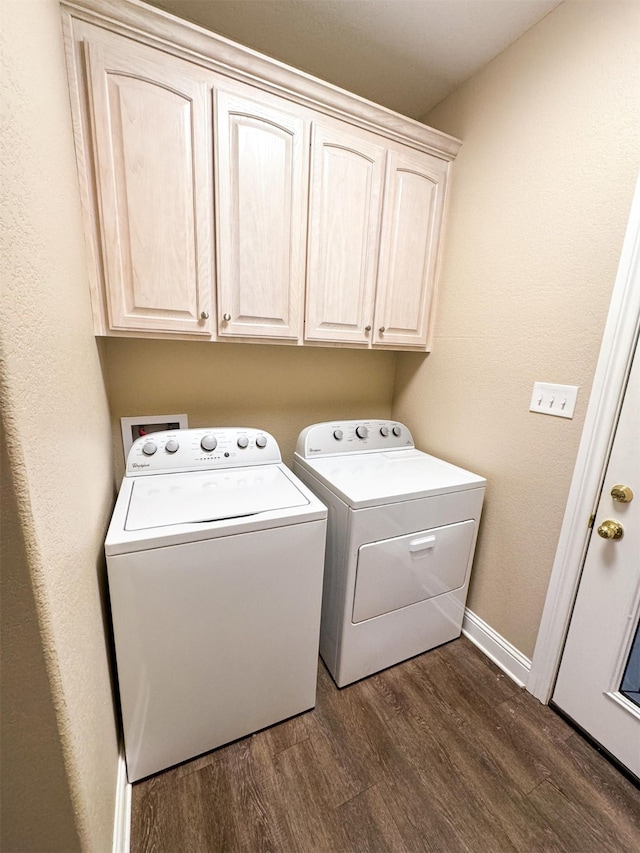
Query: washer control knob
[171, 446]
[396, 431]
[362, 431]
[384, 431]
[209, 443]
[149, 448]
[261, 441]
[338, 434]
[243, 442]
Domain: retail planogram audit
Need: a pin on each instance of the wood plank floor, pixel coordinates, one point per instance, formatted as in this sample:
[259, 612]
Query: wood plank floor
[440, 753]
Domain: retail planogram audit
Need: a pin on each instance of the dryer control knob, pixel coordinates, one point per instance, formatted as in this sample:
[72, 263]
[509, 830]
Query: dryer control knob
[171, 446]
[362, 431]
[209, 443]
[338, 434]
[384, 431]
[261, 441]
[396, 431]
[149, 448]
[243, 441]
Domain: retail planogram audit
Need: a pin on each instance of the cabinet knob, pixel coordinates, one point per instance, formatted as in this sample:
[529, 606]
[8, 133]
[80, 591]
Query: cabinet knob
[367, 328]
[226, 317]
[204, 315]
[381, 329]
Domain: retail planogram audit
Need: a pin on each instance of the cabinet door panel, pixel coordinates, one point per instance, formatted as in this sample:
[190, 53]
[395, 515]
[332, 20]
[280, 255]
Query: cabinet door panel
[261, 187]
[346, 192]
[414, 199]
[154, 188]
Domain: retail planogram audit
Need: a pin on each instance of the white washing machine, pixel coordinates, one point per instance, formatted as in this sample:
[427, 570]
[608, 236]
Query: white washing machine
[400, 541]
[215, 560]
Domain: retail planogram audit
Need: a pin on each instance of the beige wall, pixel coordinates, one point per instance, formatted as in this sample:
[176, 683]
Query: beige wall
[59, 745]
[276, 388]
[541, 195]
[28, 725]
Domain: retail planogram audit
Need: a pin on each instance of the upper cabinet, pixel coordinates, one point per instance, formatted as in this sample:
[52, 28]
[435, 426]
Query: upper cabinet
[262, 176]
[374, 232]
[228, 197]
[409, 242]
[347, 182]
[148, 118]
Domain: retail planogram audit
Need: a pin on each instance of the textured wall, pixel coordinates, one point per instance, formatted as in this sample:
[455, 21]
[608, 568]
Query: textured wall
[541, 195]
[60, 773]
[276, 388]
[28, 726]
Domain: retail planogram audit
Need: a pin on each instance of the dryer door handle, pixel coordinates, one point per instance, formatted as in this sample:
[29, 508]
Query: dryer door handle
[422, 544]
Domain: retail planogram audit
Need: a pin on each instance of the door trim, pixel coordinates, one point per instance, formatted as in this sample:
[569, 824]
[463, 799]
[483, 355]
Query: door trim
[612, 370]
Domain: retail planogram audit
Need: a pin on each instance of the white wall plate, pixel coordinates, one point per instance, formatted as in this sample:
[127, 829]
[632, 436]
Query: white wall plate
[557, 400]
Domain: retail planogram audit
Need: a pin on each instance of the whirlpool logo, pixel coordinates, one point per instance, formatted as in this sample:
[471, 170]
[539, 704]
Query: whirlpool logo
[143, 465]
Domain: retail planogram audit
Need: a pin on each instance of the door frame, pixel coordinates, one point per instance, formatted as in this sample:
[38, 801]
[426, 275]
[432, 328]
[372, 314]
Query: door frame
[607, 391]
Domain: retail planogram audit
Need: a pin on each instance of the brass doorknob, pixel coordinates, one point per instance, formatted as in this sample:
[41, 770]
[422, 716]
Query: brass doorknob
[611, 530]
[622, 494]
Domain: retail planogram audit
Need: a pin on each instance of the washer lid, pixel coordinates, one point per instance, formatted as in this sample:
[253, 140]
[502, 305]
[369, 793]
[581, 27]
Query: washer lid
[166, 499]
[371, 479]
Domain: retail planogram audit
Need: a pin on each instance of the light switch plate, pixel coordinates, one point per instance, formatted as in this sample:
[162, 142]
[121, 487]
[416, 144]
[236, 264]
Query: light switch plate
[557, 400]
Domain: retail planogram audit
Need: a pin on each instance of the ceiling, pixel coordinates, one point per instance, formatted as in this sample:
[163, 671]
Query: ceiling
[405, 54]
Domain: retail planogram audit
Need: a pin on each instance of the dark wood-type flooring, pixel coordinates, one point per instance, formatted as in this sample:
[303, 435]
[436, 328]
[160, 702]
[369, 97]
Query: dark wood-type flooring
[442, 752]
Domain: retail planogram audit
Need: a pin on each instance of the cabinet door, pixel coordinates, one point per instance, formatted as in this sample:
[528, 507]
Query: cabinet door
[153, 173]
[411, 225]
[261, 209]
[347, 175]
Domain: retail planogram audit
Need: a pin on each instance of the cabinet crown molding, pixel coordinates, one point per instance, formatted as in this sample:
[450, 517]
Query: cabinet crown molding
[159, 29]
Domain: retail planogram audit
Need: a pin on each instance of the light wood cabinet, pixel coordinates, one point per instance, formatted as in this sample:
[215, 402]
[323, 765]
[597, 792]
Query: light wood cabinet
[347, 180]
[374, 233]
[261, 156]
[409, 241]
[228, 197]
[152, 164]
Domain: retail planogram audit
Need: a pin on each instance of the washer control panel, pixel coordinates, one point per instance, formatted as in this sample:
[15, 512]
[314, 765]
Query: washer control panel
[336, 437]
[201, 449]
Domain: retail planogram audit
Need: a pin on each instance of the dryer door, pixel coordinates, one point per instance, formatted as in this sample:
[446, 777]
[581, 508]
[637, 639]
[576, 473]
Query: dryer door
[406, 569]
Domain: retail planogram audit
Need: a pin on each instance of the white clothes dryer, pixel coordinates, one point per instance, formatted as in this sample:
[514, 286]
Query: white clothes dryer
[215, 559]
[400, 542]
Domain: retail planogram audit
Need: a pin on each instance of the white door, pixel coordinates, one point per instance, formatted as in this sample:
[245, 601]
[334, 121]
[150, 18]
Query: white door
[600, 668]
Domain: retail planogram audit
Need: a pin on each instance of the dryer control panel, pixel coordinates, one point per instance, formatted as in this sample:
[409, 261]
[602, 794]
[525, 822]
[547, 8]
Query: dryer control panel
[337, 437]
[201, 449]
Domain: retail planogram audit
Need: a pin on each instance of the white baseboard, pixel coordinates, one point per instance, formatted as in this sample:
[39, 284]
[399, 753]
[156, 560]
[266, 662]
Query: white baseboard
[496, 648]
[122, 818]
